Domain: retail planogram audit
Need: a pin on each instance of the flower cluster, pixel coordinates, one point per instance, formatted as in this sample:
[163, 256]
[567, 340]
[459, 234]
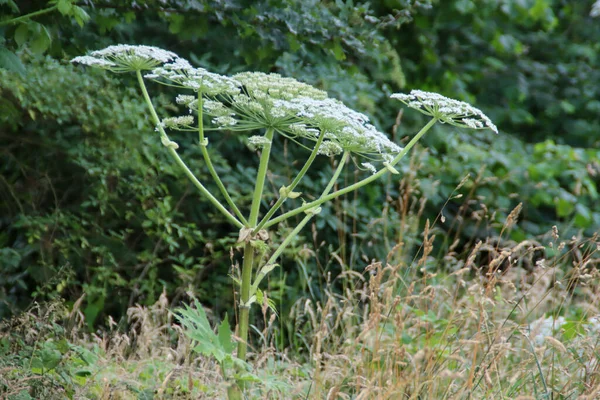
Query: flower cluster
[346, 128]
[181, 74]
[259, 85]
[127, 58]
[180, 123]
[252, 101]
[445, 110]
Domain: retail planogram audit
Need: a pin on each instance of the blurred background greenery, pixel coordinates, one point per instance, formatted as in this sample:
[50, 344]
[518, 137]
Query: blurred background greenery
[89, 203]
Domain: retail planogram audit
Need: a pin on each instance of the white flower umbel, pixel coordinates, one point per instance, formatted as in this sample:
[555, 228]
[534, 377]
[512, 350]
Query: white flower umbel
[445, 110]
[254, 106]
[348, 129]
[127, 58]
[259, 85]
[181, 74]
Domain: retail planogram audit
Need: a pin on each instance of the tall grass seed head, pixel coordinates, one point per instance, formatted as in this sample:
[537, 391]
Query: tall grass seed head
[448, 111]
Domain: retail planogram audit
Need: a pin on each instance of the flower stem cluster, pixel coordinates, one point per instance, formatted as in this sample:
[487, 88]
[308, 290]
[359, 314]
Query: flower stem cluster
[272, 104]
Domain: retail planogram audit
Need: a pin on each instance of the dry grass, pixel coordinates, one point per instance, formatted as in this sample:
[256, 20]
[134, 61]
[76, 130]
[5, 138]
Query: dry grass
[495, 320]
[502, 323]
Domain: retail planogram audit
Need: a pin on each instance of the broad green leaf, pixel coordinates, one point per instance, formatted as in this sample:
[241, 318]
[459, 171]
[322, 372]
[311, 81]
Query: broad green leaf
[10, 61]
[64, 7]
[81, 17]
[21, 34]
[225, 341]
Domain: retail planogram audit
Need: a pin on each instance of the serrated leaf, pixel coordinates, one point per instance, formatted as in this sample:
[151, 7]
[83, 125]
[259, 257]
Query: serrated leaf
[10, 61]
[225, 334]
[21, 34]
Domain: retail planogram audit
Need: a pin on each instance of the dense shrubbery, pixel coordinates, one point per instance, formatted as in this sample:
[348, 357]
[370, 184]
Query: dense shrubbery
[90, 206]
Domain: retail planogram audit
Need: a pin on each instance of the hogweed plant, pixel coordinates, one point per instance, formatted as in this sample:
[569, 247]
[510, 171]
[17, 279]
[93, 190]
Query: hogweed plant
[269, 108]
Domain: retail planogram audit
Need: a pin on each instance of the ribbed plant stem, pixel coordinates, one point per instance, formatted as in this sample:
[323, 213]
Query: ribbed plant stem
[244, 298]
[260, 179]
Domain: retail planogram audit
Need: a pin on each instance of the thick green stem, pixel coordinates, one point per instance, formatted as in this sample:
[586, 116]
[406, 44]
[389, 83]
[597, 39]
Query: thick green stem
[28, 16]
[357, 185]
[211, 168]
[260, 179]
[180, 162]
[245, 300]
[292, 185]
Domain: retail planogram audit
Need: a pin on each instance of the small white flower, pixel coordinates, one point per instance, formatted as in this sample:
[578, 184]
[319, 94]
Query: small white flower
[275, 86]
[369, 167]
[225, 121]
[93, 62]
[329, 149]
[445, 110]
[178, 122]
[185, 99]
[595, 9]
[258, 142]
[180, 73]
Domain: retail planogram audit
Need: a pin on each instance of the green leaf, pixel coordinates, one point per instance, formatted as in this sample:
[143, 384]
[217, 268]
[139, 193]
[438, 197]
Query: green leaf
[583, 218]
[64, 7]
[11, 4]
[225, 336]
[564, 207]
[10, 61]
[49, 356]
[21, 34]
[81, 17]
[338, 51]
[42, 41]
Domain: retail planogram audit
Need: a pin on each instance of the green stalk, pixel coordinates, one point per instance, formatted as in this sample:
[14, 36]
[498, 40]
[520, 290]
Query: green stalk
[180, 162]
[357, 185]
[260, 179]
[210, 166]
[292, 185]
[268, 267]
[309, 215]
[244, 300]
[28, 16]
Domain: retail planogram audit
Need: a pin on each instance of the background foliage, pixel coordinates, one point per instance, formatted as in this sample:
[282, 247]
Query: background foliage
[88, 203]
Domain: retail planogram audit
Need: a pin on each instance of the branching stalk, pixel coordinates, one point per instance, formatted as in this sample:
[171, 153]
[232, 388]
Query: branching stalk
[357, 185]
[300, 225]
[292, 185]
[28, 16]
[210, 166]
[180, 162]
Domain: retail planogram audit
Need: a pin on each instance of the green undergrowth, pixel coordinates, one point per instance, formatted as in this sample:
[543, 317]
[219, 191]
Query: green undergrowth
[500, 322]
